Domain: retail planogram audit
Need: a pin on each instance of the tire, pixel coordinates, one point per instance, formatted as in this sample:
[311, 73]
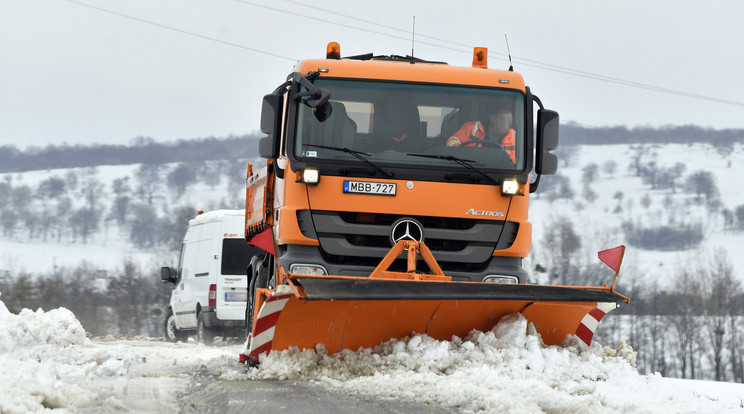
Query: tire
[204, 335]
[257, 278]
[171, 333]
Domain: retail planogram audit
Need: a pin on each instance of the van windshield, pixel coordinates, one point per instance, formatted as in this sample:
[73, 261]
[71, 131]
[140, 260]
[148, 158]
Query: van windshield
[236, 255]
[386, 122]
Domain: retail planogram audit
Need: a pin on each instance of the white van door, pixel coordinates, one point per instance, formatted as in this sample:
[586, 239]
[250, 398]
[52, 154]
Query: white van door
[183, 296]
[205, 264]
[232, 291]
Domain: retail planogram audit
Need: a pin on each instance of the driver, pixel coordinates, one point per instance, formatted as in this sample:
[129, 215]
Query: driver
[499, 131]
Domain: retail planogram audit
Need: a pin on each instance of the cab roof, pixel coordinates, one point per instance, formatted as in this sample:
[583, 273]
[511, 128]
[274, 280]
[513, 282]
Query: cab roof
[396, 68]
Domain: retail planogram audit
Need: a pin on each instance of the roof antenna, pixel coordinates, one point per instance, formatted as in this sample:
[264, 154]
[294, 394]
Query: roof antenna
[511, 68]
[413, 36]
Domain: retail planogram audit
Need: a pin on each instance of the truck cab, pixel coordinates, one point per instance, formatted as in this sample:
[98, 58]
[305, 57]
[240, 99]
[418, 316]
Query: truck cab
[360, 156]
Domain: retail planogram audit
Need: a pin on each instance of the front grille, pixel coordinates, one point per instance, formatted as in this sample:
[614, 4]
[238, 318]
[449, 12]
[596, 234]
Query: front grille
[389, 219]
[364, 238]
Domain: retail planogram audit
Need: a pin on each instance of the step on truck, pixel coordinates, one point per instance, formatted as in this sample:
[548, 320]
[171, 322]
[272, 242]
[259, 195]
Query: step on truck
[394, 200]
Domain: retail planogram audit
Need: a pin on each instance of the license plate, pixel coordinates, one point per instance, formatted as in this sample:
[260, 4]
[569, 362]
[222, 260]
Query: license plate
[236, 296]
[369, 187]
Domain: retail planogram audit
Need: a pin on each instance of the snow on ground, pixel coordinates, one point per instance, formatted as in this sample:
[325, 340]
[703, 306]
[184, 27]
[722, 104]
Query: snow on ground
[600, 225]
[46, 361]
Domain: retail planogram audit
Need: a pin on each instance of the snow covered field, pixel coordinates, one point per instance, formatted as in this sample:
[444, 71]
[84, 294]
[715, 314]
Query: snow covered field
[597, 222]
[46, 362]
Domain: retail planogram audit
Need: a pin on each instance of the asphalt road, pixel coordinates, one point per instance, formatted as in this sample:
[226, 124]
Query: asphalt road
[208, 394]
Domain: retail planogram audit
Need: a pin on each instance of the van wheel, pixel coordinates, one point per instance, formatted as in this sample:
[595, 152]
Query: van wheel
[204, 335]
[171, 333]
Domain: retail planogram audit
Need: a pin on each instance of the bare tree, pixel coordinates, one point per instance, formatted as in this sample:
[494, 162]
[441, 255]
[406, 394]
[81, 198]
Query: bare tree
[561, 242]
[143, 226]
[84, 222]
[8, 220]
[589, 173]
[148, 180]
[91, 188]
[181, 177]
[610, 168]
[702, 183]
[51, 188]
[21, 197]
[685, 303]
[121, 203]
[722, 290]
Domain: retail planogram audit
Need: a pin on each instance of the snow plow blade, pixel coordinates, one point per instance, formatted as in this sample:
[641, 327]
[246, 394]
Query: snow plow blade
[352, 312]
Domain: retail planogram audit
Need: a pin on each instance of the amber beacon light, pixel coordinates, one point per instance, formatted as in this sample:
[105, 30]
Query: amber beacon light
[480, 57]
[333, 51]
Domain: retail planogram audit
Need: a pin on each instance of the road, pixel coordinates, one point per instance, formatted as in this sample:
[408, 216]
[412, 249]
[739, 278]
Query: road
[208, 394]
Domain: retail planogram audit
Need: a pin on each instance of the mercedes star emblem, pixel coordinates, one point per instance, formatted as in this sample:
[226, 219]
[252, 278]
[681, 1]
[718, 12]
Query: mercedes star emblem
[407, 229]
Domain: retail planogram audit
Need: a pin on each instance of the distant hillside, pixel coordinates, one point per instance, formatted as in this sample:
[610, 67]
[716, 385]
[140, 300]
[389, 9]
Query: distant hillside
[144, 151]
[575, 134]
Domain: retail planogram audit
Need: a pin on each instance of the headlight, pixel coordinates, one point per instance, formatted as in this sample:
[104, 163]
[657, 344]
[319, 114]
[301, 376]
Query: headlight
[307, 269]
[510, 187]
[310, 176]
[501, 279]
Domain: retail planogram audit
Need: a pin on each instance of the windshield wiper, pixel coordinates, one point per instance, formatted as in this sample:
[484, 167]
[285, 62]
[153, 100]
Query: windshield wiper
[461, 161]
[357, 154]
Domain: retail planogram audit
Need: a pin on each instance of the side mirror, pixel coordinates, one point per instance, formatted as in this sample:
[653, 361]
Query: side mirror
[548, 124]
[323, 112]
[168, 275]
[271, 118]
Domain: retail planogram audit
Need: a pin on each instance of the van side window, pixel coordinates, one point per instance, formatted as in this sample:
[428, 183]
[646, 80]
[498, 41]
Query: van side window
[180, 262]
[236, 255]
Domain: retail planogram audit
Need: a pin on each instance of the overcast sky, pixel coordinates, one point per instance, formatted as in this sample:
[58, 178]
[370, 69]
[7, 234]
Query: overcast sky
[106, 71]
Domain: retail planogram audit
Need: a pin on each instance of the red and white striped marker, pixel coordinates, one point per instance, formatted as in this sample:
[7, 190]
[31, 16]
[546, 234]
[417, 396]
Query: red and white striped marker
[589, 324]
[263, 332]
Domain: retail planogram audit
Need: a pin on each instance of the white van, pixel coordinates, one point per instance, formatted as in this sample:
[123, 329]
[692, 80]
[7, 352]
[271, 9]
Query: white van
[210, 284]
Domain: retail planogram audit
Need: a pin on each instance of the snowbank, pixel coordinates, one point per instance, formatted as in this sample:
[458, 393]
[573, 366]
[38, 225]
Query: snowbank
[506, 370]
[47, 362]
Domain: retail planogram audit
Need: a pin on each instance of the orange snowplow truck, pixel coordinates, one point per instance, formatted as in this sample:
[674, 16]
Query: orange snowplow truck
[394, 200]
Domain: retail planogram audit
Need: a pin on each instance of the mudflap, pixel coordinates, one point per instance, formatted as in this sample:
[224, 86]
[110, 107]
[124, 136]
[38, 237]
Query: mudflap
[349, 313]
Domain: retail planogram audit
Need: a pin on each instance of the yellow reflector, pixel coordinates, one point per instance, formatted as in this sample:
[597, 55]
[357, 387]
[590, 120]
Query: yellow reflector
[480, 57]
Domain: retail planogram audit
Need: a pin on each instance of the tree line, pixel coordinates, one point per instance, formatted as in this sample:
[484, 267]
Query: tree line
[143, 150]
[575, 134]
[127, 301]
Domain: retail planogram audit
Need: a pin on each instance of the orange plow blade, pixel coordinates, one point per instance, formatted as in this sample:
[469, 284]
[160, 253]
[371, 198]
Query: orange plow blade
[351, 312]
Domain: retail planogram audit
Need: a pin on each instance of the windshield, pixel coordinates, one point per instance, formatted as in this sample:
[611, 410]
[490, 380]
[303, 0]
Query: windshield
[394, 124]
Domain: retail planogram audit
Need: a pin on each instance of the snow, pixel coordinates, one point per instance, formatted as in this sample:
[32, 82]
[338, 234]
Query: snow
[46, 362]
[216, 215]
[600, 227]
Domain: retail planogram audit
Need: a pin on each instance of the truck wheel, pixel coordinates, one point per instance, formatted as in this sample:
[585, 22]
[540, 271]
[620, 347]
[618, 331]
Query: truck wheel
[256, 279]
[171, 333]
[204, 335]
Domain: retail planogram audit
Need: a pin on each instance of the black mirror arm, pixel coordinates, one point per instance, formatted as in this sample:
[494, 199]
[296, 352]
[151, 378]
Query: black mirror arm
[534, 185]
[316, 96]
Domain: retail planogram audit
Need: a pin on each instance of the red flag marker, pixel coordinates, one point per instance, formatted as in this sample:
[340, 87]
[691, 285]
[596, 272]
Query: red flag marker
[612, 257]
[263, 240]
